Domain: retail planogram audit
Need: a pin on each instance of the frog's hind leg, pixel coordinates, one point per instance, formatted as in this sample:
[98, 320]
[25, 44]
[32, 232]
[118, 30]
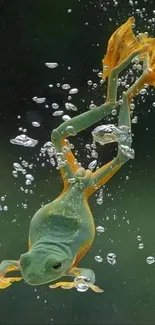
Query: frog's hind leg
[103, 174]
[83, 121]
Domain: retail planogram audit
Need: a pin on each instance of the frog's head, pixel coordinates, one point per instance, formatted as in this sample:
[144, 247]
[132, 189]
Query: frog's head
[40, 266]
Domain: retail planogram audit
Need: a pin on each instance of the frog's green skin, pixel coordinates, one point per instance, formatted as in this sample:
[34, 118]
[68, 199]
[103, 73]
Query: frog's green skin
[62, 231]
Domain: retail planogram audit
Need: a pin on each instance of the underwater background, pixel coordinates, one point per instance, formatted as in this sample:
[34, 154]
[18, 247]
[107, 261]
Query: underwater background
[74, 34]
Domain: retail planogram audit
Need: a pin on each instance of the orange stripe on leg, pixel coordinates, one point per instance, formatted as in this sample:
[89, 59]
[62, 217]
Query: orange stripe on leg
[90, 190]
[69, 156]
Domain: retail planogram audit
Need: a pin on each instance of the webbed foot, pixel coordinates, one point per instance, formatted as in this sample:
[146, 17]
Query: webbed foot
[63, 285]
[6, 282]
[5, 267]
[70, 285]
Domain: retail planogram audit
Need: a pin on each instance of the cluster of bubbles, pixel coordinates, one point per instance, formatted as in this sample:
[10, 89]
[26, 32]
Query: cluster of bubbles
[111, 258]
[4, 207]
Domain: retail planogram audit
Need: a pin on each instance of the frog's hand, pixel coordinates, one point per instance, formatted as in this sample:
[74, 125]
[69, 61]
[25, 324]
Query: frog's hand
[5, 267]
[6, 282]
[63, 285]
[8, 266]
[70, 285]
[95, 288]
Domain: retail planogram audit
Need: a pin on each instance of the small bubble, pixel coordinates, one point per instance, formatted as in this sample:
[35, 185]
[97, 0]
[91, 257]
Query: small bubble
[51, 65]
[5, 208]
[69, 11]
[24, 163]
[92, 164]
[73, 91]
[55, 105]
[143, 91]
[89, 82]
[2, 198]
[15, 173]
[141, 246]
[17, 167]
[92, 105]
[98, 259]
[30, 177]
[135, 120]
[150, 260]
[66, 118]
[114, 112]
[111, 258]
[70, 130]
[139, 238]
[100, 229]
[28, 182]
[100, 74]
[39, 100]
[36, 124]
[65, 86]
[58, 113]
[70, 106]
[99, 201]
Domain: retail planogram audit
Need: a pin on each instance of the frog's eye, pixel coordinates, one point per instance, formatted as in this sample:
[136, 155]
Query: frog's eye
[57, 266]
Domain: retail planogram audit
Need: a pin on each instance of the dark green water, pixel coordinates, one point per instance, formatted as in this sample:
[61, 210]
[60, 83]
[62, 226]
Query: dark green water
[33, 33]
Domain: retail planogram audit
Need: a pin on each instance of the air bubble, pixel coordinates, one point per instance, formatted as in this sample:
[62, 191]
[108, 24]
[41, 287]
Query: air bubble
[66, 118]
[81, 283]
[24, 140]
[58, 113]
[36, 124]
[150, 260]
[73, 91]
[39, 100]
[98, 259]
[141, 246]
[55, 105]
[111, 258]
[93, 164]
[70, 130]
[70, 106]
[100, 229]
[51, 65]
[65, 86]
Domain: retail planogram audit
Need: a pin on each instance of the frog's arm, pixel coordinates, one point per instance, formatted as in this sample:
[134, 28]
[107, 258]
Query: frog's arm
[5, 267]
[79, 272]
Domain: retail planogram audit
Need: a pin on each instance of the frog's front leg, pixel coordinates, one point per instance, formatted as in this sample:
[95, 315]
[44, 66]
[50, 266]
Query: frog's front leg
[5, 267]
[82, 276]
